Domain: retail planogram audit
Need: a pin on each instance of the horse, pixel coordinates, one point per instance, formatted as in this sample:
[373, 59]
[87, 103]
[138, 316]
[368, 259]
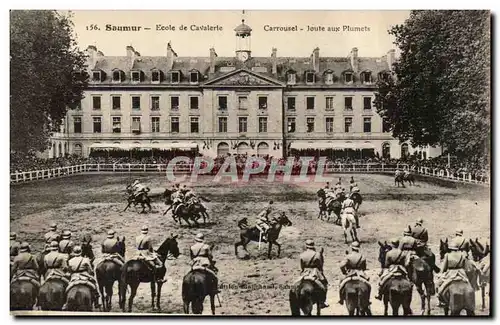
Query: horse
[334, 206]
[196, 285]
[141, 198]
[460, 296]
[480, 254]
[106, 273]
[357, 298]
[348, 222]
[248, 234]
[23, 294]
[420, 274]
[399, 179]
[410, 178]
[136, 271]
[305, 295]
[399, 289]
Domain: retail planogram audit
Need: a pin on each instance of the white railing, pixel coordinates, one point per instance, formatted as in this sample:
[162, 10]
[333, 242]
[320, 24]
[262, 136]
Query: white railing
[23, 177]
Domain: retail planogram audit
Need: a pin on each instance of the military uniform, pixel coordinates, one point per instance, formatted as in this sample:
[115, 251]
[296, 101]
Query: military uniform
[51, 236]
[56, 264]
[461, 242]
[25, 265]
[349, 213]
[453, 268]
[66, 244]
[408, 245]
[82, 273]
[14, 246]
[311, 265]
[353, 267]
[263, 222]
[202, 258]
[109, 249]
[144, 245]
[394, 265]
[422, 237]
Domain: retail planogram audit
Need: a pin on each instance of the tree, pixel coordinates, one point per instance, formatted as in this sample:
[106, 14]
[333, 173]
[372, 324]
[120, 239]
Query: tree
[440, 93]
[43, 83]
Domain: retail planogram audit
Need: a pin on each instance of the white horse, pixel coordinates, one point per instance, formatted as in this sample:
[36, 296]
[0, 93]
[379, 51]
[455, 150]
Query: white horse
[348, 222]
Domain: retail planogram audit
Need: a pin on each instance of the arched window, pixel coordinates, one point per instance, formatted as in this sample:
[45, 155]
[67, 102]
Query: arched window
[366, 77]
[386, 150]
[77, 149]
[262, 149]
[242, 148]
[222, 149]
[405, 151]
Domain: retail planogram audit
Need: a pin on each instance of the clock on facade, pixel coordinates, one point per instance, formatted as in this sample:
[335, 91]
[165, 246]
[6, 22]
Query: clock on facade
[243, 56]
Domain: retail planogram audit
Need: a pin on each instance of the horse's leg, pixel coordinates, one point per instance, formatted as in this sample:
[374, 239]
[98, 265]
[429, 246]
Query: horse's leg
[354, 233]
[153, 294]
[103, 294]
[158, 295]
[149, 205]
[483, 287]
[421, 292]
[127, 206]
[109, 295]
[133, 292]
[269, 249]
[345, 236]
[318, 310]
[279, 247]
[164, 213]
[386, 305]
[186, 307]
[212, 304]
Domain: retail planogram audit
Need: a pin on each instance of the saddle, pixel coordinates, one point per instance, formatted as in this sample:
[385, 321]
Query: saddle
[115, 258]
[56, 274]
[148, 260]
[353, 276]
[77, 279]
[452, 276]
[311, 275]
[27, 275]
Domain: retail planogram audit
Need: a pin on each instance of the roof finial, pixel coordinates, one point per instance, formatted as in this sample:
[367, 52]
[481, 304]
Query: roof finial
[243, 19]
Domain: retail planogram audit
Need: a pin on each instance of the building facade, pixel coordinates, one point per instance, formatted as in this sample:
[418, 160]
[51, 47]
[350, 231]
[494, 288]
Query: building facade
[241, 104]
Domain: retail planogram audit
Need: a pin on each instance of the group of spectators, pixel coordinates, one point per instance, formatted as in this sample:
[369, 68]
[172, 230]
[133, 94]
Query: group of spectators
[21, 163]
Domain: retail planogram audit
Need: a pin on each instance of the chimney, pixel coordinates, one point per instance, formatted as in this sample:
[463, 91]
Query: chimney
[170, 56]
[92, 56]
[391, 57]
[130, 56]
[274, 60]
[213, 55]
[315, 59]
[354, 59]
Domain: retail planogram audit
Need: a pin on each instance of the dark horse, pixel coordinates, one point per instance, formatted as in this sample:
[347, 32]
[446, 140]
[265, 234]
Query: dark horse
[398, 289]
[460, 296]
[196, 285]
[410, 178]
[23, 293]
[305, 295]
[248, 234]
[107, 273]
[185, 212]
[420, 274]
[142, 198]
[480, 254]
[357, 298]
[399, 179]
[135, 271]
[334, 206]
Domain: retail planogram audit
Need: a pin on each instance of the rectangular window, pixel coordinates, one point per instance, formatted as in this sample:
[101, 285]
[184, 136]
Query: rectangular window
[155, 124]
[155, 103]
[195, 125]
[348, 124]
[116, 102]
[329, 103]
[291, 78]
[367, 103]
[136, 124]
[117, 124]
[242, 124]
[291, 124]
[155, 76]
[291, 103]
[222, 102]
[367, 77]
[367, 125]
[348, 77]
[309, 77]
[117, 76]
[97, 124]
[385, 125]
[136, 76]
[329, 78]
[329, 124]
[175, 77]
[262, 102]
[242, 102]
[96, 76]
[194, 77]
[136, 102]
[96, 102]
[348, 103]
[174, 124]
[310, 124]
[77, 124]
[223, 124]
[310, 102]
[262, 124]
[174, 103]
[194, 102]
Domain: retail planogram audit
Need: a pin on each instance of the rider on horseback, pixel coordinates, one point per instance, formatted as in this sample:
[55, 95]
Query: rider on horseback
[353, 267]
[145, 250]
[25, 265]
[453, 268]
[263, 220]
[56, 264]
[109, 249]
[51, 236]
[311, 266]
[348, 209]
[66, 244]
[421, 236]
[353, 186]
[81, 273]
[177, 198]
[202, 258]
[14, 246]
[461, 242]
[393, 266]
[408, 245]
[138, 189]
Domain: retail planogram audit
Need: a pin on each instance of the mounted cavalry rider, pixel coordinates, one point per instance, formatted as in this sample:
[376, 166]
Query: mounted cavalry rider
[406, 173]
[66, 244]
[25, 265]
[348, 210]
[311, 266]
[461, 242]
[56, 264]
[146, 252]
[408, 245]
[82, 273]
[453, 268]
[177, 197]
[202, 258]
[421, 236]
[138, 189]
[109, 249]
[394, 265]
[52, 235]
[353, 267]
[263, 222]
[15, 245]
[353, 186]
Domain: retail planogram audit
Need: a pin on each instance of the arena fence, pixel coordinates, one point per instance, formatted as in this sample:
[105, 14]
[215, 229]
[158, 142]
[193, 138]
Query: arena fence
[23, 177]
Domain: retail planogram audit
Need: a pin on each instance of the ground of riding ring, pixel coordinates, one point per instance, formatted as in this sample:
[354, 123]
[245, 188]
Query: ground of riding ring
[94, 203]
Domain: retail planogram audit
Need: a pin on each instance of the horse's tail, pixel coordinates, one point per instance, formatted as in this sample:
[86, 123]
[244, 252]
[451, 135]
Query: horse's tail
[294, 303]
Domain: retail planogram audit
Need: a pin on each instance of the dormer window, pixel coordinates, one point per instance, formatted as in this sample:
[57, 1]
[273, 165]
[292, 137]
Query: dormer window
[366, 77]
[329, 78]
[309, 77]
[384, 76]
[96, 76]
[176, 77]
[348, 77]
[193, 77]
[117, 76]
[155, 76]
[136, 76]
[291, 78]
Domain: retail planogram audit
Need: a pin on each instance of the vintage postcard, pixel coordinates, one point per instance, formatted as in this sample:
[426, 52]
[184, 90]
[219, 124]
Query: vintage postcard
[252, 163]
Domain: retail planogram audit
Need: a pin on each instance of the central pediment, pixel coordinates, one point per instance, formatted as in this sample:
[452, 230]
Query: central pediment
[244, 78]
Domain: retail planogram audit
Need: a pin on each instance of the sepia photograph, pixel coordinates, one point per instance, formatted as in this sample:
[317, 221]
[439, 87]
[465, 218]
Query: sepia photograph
[250, 163]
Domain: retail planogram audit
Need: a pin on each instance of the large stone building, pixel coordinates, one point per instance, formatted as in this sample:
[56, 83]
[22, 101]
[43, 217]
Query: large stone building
[240, 104]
